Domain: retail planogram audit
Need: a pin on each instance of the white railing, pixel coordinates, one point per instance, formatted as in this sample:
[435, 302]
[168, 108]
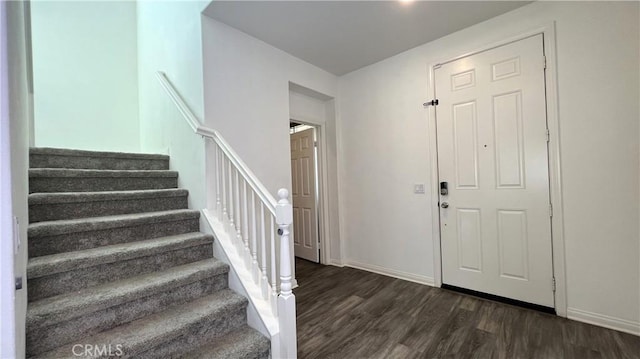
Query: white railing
[252, 219]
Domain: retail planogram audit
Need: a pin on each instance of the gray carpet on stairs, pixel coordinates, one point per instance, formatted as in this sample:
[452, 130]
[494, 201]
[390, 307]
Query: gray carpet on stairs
[117, 262]
[63, 158]
[54, 206]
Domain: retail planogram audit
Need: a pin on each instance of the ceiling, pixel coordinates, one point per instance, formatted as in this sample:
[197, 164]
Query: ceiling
[342, 36]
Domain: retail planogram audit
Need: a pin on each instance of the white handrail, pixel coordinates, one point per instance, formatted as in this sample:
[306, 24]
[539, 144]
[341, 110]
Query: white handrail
[208, 132]
[182, 106]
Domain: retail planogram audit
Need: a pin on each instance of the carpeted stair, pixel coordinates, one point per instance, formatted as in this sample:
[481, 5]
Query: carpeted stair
[118, 266]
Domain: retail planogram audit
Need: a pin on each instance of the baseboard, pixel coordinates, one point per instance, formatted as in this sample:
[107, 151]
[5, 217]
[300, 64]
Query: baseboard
[623, 325]
[416, 278]
[335, 263]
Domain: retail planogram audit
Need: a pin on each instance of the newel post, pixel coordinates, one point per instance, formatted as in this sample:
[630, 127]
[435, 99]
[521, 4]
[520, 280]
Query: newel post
[286, 299]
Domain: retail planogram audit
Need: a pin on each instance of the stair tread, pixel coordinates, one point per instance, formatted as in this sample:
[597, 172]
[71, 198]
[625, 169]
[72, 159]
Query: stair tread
[88, 153]
[82, 173]
[63, 262]
[49, 228]
[156, 329]
[242, 343]
[75, 197]
[63, 307]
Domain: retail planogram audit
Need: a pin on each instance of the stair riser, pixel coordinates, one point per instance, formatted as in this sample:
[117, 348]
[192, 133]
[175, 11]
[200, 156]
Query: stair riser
[45, 245]
[42, 339]
[58, 211]
[77, 279]
[194, 336]
[96, 184]
[91, 162]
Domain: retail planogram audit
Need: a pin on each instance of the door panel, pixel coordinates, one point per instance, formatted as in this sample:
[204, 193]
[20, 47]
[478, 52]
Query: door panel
[512, 240]
[492, 150]
[469, 239]
[507, 119]
[466, 149]
[305, 219]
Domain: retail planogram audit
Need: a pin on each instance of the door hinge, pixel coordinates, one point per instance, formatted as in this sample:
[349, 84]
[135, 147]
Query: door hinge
[431, 103]
[553, 283]
[548, 135]
[544, 62]
[550, 210]
[315, 143]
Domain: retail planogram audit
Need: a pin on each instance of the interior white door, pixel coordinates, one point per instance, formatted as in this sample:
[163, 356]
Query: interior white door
[303, 193]
[492, 153]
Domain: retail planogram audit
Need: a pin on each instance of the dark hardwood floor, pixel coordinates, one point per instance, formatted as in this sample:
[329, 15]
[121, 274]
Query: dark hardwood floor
[348, 313]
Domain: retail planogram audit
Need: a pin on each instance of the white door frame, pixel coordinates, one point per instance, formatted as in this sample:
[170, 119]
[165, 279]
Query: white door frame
[321, 183]
[555, 174]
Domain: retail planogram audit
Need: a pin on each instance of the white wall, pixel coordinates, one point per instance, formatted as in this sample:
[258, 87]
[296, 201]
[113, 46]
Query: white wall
[7, 303]
[14, 160]
[85, 75]
[386, 151]
[169, 40]
[246, 86]
[306, 108]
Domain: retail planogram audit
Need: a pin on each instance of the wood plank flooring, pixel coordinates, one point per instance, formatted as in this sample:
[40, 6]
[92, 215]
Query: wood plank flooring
[348, 313]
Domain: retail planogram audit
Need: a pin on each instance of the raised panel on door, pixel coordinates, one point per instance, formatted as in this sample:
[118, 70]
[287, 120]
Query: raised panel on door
[465, 145]
[512, 243]
[306, 176]
[296, 229]
[469, 238]
[295, 178]
[307, 227]
[492, 150]
[508, 142]
[305, 222]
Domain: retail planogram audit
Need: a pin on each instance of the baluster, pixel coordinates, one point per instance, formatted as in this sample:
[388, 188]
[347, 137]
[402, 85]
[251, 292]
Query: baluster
[254, 238]
[245, 224]
[223, 182]
[286, 299]
[274, 279]
[211, 198]
[232, 226]
[238, 206]
[218, 179]
[263, 254]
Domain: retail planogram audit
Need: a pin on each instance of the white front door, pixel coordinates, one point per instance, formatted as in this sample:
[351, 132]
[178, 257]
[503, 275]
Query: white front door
[303, 193]
[492, 154]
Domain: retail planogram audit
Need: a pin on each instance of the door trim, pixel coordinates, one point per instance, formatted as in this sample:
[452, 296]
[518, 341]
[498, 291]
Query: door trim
[555, 169]
[321, 183]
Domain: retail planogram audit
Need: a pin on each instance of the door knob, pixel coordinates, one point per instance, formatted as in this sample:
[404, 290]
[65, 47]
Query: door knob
[444, 205]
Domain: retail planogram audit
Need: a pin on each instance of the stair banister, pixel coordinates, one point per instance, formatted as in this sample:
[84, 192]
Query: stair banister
[242, 204]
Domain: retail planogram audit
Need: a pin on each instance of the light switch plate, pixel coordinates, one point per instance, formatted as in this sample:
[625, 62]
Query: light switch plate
[418, 188]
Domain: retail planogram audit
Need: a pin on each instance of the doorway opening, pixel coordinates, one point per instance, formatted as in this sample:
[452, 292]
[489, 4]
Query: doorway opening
[314, 112]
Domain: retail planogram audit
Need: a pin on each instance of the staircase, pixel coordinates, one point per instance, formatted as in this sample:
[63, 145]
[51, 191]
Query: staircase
[118, 266]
